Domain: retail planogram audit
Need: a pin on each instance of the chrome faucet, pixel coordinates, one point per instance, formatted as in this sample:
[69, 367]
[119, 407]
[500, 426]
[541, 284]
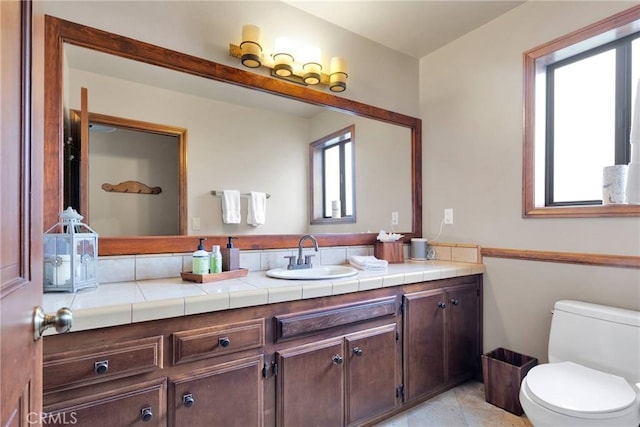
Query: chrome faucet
[295, 265]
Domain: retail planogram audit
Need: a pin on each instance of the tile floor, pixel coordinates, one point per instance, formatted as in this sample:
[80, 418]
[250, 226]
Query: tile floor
[462, 406]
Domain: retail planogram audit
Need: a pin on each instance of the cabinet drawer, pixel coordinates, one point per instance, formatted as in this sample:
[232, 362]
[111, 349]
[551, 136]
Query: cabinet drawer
[142, 404]
[93, 365]
[300, 324]
[217, 340]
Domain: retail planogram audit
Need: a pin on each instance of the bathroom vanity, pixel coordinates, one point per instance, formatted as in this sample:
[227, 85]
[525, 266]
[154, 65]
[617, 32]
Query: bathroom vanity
[351, 351]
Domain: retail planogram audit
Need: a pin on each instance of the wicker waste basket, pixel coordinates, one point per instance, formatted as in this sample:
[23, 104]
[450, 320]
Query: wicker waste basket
[503, 371]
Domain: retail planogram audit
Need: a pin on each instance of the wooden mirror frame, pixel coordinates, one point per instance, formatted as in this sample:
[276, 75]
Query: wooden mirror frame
[59, 31]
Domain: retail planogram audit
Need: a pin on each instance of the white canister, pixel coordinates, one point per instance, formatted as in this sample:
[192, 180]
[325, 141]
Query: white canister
[419, 249]
[614, 183]
[335, 209]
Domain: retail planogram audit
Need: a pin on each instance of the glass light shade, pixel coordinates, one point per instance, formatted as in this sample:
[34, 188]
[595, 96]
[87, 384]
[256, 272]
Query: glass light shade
[250, 46]
[338, 75]
[311, 75]
[283, 57]
[71, 256]
[283, 65]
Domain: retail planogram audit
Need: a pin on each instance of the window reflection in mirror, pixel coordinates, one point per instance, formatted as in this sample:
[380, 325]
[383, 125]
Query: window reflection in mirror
[332, 178]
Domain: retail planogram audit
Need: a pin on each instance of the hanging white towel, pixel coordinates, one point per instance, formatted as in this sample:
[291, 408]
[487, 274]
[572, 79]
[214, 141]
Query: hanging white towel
[231, 207]
[257, 208]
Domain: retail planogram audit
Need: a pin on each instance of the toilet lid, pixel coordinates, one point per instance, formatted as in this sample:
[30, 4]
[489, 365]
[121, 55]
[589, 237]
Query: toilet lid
[576, 390]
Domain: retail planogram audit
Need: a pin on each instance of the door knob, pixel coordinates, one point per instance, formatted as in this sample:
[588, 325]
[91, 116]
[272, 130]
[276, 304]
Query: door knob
[357, 351]
[454, 301]
[337, 359]
[441, 305]
[62, 320]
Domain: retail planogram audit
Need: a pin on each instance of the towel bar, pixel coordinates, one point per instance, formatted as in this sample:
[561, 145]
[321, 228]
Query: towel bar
[219, 193]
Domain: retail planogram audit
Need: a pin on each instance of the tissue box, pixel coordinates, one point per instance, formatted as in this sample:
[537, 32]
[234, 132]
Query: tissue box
[393, 252]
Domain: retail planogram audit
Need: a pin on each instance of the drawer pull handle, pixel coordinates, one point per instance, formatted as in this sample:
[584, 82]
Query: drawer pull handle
[454, 301]
[224, 342]
[146, 414]
[101, 367]
[337, 359]
[357, 351]
[441, 305]
[187, 400]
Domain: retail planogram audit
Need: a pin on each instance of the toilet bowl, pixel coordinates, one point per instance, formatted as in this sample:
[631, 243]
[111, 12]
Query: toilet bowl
[593, 374]
[568, 394]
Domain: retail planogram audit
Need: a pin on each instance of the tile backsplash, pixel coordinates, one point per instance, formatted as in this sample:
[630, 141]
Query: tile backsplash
[143, 267]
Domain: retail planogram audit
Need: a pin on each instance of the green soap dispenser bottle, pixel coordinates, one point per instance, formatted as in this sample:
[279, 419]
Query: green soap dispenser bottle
[200, 260]
[230, 257]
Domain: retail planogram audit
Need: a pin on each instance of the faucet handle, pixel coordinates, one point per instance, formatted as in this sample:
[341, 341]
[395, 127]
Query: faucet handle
[307, 259]
[292, 261]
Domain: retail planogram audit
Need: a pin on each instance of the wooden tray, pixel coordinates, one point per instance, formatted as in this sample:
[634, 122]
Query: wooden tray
[203, 278]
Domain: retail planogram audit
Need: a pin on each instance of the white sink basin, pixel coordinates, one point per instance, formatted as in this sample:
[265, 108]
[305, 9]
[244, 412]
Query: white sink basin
[315, 273]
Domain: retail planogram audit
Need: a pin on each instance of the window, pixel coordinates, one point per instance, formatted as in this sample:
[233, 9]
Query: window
[332, 177]
[578, 95]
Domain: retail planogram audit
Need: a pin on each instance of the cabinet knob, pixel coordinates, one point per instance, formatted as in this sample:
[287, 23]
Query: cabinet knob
[101, 367]
[224, 342]
[146, 414]
[187, 400]
[357, 351]
[441, 305]
[337, 359]
[454, 301]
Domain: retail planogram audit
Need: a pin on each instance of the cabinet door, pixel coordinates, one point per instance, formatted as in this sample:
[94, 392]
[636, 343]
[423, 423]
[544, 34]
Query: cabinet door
[229, 394]
[463, 331]
[139, 405]
[424, 342]
[371, 373]
[310, 385]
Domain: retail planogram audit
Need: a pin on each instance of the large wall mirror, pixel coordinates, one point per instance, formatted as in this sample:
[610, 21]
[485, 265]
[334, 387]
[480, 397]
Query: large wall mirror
[246, 131]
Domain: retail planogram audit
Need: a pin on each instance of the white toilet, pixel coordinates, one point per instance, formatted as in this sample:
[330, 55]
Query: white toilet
[593, 374]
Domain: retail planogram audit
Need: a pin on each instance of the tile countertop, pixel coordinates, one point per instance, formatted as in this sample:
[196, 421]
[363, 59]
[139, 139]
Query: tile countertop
[123, 303]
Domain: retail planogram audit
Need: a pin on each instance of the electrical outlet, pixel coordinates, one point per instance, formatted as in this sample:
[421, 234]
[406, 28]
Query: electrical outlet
[394, 218]
[195, 223]
[448, 216]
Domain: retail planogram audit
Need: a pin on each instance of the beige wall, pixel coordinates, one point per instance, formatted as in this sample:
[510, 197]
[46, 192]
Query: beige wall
[471, 106]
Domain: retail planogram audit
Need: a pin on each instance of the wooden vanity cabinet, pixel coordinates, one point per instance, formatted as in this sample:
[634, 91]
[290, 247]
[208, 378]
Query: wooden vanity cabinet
[344, 360]
[340, 381]
[442, 338]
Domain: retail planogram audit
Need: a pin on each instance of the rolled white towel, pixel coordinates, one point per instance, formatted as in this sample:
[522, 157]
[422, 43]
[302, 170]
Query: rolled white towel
[368, 263]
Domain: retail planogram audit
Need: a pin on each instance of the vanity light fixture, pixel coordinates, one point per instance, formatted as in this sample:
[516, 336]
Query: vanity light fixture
[304, 67]
[250, 47]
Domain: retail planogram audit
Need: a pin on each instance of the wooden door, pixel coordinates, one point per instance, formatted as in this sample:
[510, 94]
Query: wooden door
[226, 395]
[424, 342]
[463, 331]
[371, 373]
[310, 385]
[21, 218]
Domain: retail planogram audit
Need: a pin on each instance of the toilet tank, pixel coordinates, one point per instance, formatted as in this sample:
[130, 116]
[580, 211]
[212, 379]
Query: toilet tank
[597, 336]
